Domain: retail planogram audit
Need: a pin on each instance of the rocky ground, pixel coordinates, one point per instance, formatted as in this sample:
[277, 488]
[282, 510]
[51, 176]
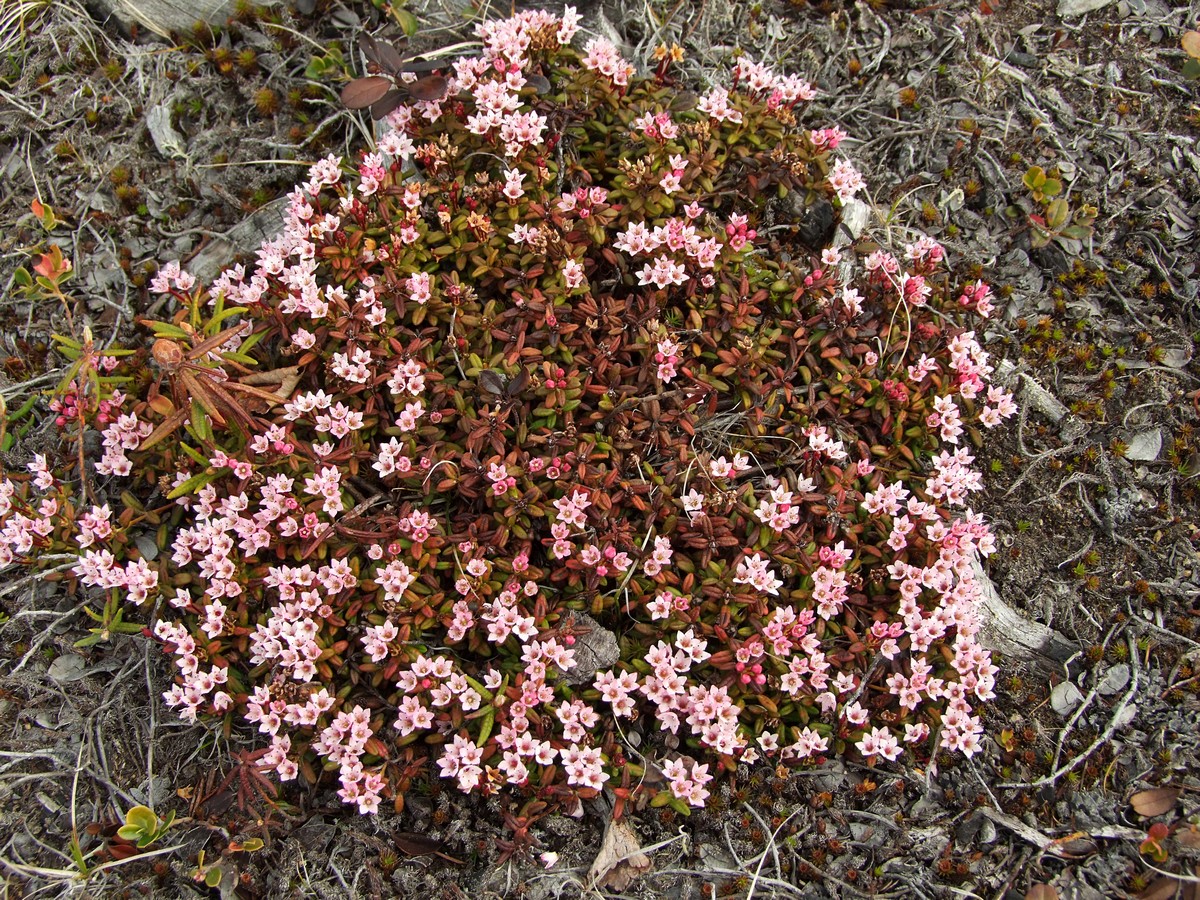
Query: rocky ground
[149, 150]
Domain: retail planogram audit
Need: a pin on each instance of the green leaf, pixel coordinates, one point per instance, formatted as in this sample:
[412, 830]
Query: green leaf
[140, 822]
[196, 455]
[406, 20]
[1057, 214]
[167, 330]
[199, 423]
[192, 485]
[1052, 187]
[221, 316]
[680, 806]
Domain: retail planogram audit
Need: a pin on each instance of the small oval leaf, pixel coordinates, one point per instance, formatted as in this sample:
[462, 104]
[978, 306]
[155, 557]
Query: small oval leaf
[684, 101]
[362, 92]
[1191, 43]
[431, 87]
[491, 381]
[1156, 802]
[539, 83]
[517, 384]
[383, 54]
[390, 101]
[411, 844]
[1164, 888]
[420, 66]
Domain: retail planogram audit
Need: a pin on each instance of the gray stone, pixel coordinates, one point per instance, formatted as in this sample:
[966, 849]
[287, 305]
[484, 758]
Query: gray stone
[169, 142]
[1145, 446]
[66, 668]
[1065, 698]
[164, 16]
[1042, 400]
[1069, 8]
[1114, 680]
[595, 648]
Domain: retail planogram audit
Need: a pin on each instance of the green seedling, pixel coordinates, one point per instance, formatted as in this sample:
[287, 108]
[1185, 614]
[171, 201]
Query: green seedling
[143, 827]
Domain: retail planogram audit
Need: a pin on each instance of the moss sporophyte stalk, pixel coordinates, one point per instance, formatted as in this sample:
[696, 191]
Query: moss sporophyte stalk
[515, 436]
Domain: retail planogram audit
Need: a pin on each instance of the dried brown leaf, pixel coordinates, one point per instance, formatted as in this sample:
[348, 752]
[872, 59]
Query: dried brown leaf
[1155, 802]
[1160, 889]
[411, 844]
[620, 860]
[1041, 892]
[1191, 43]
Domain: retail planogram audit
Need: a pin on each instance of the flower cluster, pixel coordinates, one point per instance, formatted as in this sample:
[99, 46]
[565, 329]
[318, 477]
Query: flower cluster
[563, 383]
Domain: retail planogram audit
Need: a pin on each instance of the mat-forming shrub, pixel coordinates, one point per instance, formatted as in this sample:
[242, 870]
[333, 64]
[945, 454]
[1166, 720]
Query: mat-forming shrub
[517, 440]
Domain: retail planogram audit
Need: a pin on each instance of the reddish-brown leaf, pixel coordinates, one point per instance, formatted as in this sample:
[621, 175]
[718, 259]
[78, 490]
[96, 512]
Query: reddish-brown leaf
[431, 87]
[383, 54]
[362, 92]
[491, 381]
[387, 103]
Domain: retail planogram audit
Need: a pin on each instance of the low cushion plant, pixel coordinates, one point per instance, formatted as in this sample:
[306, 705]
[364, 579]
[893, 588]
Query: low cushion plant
[535, 428]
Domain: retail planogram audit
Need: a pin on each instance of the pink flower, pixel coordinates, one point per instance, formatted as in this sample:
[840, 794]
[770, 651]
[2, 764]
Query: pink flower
[662, 273]
[573, 274]
[879, 742]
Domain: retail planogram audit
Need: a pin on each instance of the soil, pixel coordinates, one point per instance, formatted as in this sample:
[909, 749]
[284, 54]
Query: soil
[150, 151]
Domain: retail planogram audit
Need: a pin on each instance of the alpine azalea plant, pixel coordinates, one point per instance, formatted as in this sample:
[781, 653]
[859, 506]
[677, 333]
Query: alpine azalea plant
[528, 372]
